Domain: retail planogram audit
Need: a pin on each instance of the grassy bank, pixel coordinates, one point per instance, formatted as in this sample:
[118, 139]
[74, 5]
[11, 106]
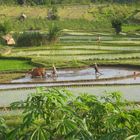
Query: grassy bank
[14, 65]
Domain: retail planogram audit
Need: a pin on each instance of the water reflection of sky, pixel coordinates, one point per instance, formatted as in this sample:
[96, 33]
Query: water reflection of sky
[131, 93]
[82, 74]
[135, 80]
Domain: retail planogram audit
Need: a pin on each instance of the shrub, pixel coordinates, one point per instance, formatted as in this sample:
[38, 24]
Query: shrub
[5, 27]
[53, 33]
[31, 39]
[21, 2]
[3, 129]
[118, 15]
[53, 13]
[117, 25]
[52, 114]
[114, 14]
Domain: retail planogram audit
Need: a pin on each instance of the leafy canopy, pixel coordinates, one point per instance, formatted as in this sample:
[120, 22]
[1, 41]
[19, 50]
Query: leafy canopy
[52, 114]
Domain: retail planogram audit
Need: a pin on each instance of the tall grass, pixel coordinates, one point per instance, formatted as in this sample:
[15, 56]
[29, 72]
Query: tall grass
[31, 39]
[72, 24]
[93, 17]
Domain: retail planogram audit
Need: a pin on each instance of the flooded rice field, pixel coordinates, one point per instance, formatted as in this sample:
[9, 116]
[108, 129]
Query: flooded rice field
[79, 77]
[86, 74]
[129, 92]
[78, 81]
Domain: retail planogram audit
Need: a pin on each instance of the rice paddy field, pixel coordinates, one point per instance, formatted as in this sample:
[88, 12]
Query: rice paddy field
[22, 94]
[78, 47]
[76, 51]
[87, 37]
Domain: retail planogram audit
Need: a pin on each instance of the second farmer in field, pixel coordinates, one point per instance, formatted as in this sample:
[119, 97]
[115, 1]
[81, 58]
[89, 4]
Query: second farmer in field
[97, 70]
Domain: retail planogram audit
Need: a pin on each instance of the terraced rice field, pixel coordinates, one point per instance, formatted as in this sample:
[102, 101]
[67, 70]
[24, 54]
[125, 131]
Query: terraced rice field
[76, 51]
[83, 50]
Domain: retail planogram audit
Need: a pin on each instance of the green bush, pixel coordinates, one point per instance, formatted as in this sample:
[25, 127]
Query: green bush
[54, 33]
[27, 39]
[49, 2]
[3, 129]
[33, 38]
[53, 13]
[117, 25]
[5, 27]
[54, 114]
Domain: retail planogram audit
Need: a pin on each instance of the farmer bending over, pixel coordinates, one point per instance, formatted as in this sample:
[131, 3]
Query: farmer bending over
[96, 69]
[54, 72]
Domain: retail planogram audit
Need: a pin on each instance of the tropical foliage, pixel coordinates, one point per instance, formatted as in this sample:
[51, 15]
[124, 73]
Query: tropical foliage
[117, 15]
[31, 39]
[5, 27]
[54, 33]
[54, 114]
[48, 2]
[3, 129]
[34, 38]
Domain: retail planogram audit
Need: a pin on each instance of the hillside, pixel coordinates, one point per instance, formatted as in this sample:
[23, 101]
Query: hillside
[51, 2]
[93, 17]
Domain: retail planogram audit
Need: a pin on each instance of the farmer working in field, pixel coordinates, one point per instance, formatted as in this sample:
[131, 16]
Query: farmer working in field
[54, 72]
[99, 40]
[96, 69]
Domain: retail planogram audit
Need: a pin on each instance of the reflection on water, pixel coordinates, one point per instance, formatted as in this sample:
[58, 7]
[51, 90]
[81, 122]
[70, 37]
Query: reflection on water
[129, 92]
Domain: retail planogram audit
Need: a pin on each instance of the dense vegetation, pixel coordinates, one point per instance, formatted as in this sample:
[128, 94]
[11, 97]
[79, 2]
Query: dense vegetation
[31, 39]
[87, 17]
[74, 50]
[102, 17]
[52, 114]
[48, 2]
[37, 38]
[81, 24]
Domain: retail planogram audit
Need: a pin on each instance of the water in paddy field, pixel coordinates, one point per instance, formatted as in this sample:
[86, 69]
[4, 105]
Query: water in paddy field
[129, 92]
[87, 74]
